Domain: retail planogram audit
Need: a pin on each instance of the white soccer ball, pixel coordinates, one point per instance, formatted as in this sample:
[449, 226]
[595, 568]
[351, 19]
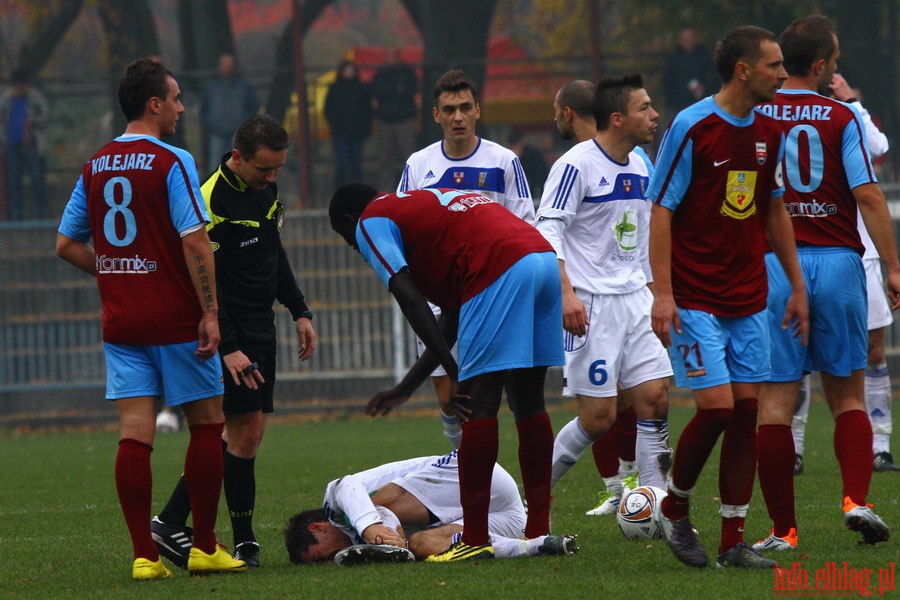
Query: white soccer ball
[167, 422]
[637, 514]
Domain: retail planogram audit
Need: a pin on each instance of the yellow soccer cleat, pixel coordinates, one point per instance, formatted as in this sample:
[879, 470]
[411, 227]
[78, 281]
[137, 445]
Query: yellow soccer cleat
[200, 563]
[145, 569]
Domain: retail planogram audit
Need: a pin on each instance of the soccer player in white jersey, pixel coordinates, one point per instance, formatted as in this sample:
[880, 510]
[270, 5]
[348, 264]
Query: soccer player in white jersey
[877, 392]
[376, 505]
[464, 161]
[595, 215]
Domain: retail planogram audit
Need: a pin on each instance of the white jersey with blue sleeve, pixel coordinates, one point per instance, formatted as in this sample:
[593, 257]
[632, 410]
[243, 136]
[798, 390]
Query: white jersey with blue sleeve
[595, 214]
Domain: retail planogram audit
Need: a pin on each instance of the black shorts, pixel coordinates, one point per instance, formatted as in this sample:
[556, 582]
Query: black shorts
[240, 399]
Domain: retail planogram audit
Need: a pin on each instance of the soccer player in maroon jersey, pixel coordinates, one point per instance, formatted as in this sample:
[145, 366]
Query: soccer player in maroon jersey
[827, 174]
[136, 221]
[496, 281]
[715, 192]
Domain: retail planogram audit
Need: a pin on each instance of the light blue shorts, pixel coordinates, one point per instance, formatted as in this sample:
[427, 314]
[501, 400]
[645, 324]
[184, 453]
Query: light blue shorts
[516, 322]
[715, 350]
[172, 371]
[838, 314]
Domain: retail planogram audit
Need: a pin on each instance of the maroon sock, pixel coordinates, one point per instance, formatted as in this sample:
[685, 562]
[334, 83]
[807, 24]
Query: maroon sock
[737, 467]
[853, 448]
[694, 446]
[476, 457]
[775, 449]
[626, 434]
[535, 462]
[604, 451]
[134, 484]
[203, 477]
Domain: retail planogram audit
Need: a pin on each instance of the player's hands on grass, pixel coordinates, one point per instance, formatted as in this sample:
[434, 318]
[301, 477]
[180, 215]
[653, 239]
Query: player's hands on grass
[385, 401]
[377, 533]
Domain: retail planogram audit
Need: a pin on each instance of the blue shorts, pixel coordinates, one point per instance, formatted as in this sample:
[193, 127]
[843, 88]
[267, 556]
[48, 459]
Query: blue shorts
[838, 311]
[172, 371]
[714, 350]
[516, 322]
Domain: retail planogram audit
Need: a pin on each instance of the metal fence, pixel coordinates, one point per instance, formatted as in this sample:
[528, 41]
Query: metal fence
[50, 312]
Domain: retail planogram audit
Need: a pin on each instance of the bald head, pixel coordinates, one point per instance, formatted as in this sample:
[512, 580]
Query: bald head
[572, 110]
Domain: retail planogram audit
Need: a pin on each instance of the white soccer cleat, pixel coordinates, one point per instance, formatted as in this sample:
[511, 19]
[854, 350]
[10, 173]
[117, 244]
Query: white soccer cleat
[608, 504]
[365, 554]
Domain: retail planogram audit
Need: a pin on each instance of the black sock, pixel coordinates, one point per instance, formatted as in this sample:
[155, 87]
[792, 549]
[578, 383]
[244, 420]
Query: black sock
[240, 494]
[178, 507]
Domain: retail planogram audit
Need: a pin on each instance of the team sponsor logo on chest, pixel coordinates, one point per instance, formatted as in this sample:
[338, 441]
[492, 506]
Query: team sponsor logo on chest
[761, 152]
[739, 201]
[250, 242]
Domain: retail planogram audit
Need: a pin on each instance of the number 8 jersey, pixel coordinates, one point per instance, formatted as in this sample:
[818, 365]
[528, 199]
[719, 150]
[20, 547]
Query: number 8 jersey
[825, 157]
[135, 199]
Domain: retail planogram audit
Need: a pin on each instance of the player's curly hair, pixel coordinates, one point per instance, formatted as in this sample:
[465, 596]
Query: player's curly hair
[297, 536]
[143, 79]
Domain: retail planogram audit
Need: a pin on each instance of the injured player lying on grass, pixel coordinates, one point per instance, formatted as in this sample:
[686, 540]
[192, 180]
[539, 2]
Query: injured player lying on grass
[375, 507]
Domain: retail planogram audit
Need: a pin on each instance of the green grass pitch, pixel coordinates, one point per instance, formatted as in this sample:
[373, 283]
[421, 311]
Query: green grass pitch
[62, 534]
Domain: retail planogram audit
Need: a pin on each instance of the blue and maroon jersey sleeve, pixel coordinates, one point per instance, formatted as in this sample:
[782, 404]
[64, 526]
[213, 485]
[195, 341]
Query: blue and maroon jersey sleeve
[140, 195]
[718, 174]
[454, 243]
[825, 158]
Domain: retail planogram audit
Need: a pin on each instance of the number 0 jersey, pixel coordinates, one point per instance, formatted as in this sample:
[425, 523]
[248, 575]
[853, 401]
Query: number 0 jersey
[825, 158]
[718, 173]
[135, 199]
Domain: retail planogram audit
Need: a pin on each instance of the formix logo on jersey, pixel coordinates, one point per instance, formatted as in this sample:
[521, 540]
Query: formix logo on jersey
[115, 265]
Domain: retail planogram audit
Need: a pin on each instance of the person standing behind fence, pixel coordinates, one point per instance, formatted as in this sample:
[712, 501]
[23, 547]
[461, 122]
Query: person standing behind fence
[136, 221]
[394, 90]
[253, 272]
[464, 161]
[348, 110]
[227, 100]
[24, 113]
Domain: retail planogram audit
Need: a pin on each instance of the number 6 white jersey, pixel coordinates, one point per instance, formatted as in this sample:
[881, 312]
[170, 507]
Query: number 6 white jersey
[595, 215]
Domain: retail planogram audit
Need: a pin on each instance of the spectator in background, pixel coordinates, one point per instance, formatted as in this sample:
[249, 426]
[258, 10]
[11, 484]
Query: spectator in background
[394, 102]
[533, 163]
[690, 73]
[23, 114]
[348, 110]
[227, 100]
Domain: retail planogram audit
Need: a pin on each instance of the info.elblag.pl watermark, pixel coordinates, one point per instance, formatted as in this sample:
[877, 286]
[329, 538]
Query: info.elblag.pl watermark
[833, 580]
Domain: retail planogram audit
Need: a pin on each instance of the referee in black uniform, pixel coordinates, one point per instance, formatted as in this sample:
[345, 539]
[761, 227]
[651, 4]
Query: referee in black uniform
[252, 271]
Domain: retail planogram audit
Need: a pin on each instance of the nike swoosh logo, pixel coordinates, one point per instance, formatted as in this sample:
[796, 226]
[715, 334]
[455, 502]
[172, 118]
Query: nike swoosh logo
[719, 163]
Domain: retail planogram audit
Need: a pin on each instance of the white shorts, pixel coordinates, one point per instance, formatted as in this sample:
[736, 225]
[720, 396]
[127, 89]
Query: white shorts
[437, 487]
[879, 310]
[440, 371]
[619, 349]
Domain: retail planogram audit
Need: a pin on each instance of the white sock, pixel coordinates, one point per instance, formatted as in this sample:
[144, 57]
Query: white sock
[452, 429]
[878, 405]
[614, 485]
[505, 547]
[651, 444]
[569, 445]
[801, 414]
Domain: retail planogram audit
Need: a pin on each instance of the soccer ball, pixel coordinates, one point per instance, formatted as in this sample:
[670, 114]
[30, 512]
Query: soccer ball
[638, 511]
[167, 422]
